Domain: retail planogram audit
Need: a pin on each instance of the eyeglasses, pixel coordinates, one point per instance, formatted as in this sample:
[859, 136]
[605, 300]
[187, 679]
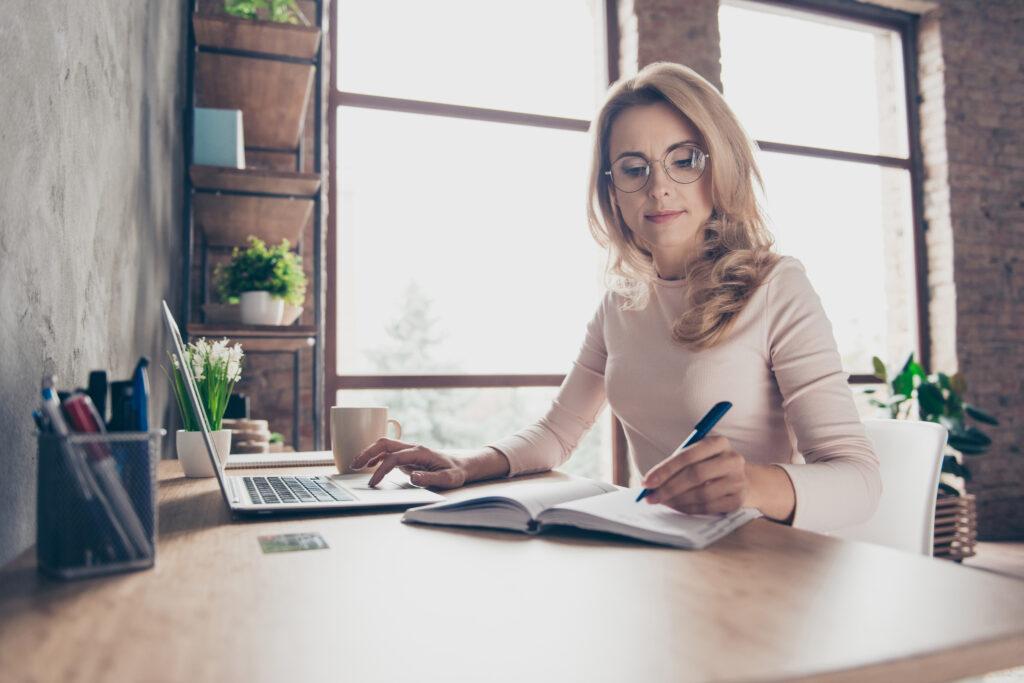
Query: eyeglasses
[684, 164]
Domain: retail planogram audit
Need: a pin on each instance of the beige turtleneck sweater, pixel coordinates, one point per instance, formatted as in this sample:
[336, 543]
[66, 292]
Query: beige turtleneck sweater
[779, 367]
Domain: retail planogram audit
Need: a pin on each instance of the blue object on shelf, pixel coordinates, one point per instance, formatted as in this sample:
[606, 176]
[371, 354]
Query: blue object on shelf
[218, 138]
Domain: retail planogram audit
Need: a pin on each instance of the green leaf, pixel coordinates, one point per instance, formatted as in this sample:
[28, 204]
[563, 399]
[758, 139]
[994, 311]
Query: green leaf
[942, 379]
[966, 446]
[978, 436]
[930, 399]
[879, 366]
[878, 404]
[946, 488]
[980, 415]
[868, 391]
[950, 464]
[903, 384]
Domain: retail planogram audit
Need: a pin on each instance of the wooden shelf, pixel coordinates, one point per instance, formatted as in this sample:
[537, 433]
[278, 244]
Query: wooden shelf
[265, 338]
[266, 37]
[264, 181]
[273, 96]
[227, 220]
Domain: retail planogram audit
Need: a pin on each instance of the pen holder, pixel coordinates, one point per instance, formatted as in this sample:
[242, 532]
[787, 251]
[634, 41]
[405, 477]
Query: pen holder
[96, 507]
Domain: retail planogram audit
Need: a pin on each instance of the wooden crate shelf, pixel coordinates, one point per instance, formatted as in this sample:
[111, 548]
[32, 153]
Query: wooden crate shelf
[955, 527]
[272, 95]
[263, 181]
[227, 220]
[267, 37]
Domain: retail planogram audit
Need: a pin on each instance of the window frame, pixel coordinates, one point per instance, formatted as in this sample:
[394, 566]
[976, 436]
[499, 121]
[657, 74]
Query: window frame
[904, 24]
[333, 381]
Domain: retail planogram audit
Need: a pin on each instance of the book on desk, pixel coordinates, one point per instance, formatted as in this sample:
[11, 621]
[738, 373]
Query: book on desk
[533, 507]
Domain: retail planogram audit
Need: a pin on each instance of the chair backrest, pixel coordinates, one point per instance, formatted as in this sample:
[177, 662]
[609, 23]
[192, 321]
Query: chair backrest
[910, 455]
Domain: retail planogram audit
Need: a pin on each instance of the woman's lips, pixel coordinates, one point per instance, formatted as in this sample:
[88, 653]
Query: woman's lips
[664, 217]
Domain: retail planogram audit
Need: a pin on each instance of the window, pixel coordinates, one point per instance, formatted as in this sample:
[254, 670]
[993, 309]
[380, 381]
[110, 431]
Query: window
[826, 99]
[463, 272]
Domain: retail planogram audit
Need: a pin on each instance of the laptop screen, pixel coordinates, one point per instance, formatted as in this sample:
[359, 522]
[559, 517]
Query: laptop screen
[193, 398]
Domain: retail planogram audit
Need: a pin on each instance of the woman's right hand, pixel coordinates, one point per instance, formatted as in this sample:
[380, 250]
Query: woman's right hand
[425, 466]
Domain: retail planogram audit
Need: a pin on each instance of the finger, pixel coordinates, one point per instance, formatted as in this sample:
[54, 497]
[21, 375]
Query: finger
[668, 467]
[417, 455]
[381, 445]
[442, 479]
[693, 476]
[706, 493]
[724, 504]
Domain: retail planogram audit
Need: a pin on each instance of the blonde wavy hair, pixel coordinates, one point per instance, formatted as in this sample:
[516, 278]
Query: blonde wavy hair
[736, 252]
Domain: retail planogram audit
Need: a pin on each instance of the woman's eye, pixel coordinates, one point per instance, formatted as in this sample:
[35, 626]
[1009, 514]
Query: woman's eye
[684, 163]
[635, 172]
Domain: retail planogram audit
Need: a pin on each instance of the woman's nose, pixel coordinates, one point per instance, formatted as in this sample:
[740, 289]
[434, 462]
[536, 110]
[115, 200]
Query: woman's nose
[659, 182]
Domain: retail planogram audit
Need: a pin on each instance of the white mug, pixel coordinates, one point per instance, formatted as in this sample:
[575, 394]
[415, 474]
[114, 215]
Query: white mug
[355, 428]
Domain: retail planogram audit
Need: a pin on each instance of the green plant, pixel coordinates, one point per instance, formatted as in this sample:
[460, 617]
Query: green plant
[259, 268]
[939, 399]
[281, 11]
[276, 437]
[216, 368]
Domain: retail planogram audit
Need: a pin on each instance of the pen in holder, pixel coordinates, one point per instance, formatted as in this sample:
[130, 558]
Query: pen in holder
[96, 503]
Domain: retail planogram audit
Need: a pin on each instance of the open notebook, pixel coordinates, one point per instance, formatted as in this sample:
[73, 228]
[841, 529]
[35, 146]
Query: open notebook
[532, 507]
[284, 459]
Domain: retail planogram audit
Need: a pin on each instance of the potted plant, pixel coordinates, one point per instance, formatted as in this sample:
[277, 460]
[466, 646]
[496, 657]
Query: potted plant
[281, 11]
[216, 368]
[263, 279]
[939, 399]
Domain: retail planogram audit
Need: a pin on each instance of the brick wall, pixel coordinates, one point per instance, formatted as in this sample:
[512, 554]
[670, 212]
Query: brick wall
[971, 84]
[978, 218]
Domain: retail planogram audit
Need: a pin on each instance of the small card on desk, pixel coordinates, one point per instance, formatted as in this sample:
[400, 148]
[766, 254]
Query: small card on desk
[285, 543]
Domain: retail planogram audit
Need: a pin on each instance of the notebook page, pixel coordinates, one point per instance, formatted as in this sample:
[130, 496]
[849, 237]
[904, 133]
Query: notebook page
[618, 512]
[537, 496]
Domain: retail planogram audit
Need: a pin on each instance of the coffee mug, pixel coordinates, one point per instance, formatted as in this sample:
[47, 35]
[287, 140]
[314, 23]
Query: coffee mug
[355, 428]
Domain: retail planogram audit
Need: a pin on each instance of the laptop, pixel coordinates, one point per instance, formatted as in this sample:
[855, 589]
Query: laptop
[248, 495]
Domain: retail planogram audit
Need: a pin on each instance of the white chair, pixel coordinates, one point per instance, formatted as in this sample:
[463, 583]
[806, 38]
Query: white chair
[910, 455]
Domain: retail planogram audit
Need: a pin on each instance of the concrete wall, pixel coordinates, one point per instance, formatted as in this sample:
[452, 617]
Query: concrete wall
[90, 209]
[971, 88]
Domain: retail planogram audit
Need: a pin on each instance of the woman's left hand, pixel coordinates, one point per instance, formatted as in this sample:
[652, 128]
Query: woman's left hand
[706, 478]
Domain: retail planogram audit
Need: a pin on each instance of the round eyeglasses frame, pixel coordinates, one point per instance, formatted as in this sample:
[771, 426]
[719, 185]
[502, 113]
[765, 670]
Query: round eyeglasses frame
[647, 178]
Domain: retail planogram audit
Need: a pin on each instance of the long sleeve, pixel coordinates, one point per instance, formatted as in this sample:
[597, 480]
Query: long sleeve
[839, 484]
[550, 441]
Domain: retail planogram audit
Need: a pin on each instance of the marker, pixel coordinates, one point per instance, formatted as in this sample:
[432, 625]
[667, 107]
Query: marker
[706, 424]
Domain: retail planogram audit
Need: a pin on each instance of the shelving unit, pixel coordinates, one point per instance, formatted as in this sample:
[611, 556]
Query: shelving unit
[274, 73]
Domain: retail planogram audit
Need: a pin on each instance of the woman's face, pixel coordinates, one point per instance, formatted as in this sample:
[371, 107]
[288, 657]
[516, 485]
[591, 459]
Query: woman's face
[651, 130]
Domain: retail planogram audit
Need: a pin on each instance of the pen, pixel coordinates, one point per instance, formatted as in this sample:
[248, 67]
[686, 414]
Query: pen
[706, 424]
[140, 395]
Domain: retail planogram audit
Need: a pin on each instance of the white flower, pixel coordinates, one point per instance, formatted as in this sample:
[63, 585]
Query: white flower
[198, 352]
[234, 363]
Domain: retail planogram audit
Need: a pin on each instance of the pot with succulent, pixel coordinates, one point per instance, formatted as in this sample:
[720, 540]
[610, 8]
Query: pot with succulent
[264, 280]
[216, 368]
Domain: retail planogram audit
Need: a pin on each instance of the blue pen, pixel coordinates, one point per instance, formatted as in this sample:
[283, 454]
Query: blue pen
[706, 424]
[140, 395]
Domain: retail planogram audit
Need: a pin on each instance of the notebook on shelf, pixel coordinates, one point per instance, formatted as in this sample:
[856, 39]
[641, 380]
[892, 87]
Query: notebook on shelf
[533, 506]
[284, 459]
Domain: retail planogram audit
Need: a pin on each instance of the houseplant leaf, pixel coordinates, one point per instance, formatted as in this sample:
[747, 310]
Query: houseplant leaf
[980, 415]
[879, 366]
[930, 399]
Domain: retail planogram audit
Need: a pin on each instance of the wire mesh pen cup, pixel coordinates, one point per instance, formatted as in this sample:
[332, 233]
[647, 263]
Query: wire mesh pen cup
[96, 510]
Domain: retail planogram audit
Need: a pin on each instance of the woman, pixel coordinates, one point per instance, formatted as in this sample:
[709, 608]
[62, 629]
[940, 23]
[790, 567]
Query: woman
[699, 310]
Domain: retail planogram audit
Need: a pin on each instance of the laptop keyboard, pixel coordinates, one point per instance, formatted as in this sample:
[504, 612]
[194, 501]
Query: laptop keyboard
[266, 490]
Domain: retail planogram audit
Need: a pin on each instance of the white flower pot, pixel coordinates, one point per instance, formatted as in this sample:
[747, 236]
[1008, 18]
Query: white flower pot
[192, 453]
[259, 308]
